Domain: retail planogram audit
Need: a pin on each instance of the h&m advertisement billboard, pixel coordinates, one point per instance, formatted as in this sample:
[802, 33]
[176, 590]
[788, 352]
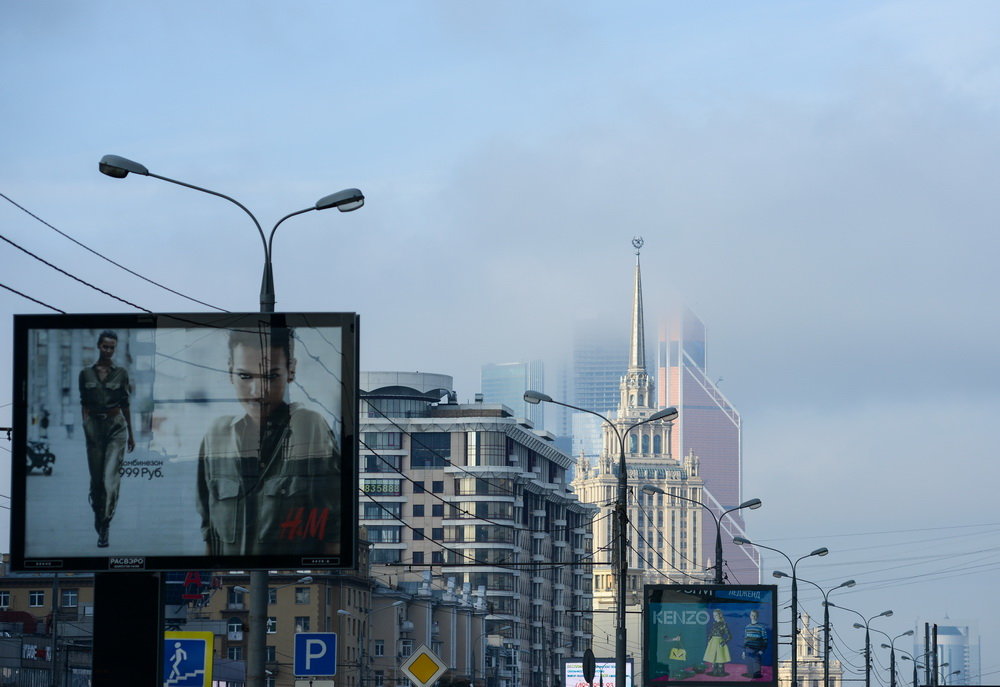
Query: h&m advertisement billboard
[185, 441]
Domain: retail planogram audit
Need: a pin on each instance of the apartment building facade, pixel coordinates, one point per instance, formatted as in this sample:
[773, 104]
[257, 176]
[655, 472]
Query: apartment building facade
[468, 499]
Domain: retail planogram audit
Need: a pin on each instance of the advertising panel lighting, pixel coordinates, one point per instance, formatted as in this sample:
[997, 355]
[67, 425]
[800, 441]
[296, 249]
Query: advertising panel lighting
[184, 442]
[604, 673]
[718, 634]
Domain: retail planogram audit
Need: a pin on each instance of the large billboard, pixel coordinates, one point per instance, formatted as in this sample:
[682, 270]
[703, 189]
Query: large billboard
[185, 442]
[604, 673]
[721, 634]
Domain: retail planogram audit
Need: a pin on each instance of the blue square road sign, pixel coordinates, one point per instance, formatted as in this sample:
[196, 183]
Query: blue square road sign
[315, 654]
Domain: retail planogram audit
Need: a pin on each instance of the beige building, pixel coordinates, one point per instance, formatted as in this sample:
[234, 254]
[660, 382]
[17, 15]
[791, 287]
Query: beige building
[664, 540]
[810, 659]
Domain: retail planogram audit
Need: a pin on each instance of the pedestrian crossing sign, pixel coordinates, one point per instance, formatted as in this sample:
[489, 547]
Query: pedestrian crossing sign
[187, 659]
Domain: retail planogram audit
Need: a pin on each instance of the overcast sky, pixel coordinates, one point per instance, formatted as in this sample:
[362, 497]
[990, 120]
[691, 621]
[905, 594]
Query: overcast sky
[817, 180]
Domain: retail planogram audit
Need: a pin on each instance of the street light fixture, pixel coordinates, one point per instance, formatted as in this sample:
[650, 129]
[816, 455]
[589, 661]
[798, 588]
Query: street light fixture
[490, 633]
[891, 646]
[118, 167]
[826, 620]
[822, 551]
[346, 200]
[621, 511]
[867, 629]
[752, 504]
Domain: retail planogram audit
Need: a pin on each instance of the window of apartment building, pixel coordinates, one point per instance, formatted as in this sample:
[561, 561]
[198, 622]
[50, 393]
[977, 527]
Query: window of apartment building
[418, 510]
[69, 598]
[437, 533]
[437, 510]
[379, 678]
[437, 557]
[4, 599]
[302, 595]
[272, 595]
[269, 681]
[486, 448]
[381, 463]
[36, 598]
[418, 533]
[270, 654]
[302, 623]
[405, 647]
[234, 598]
[418, 557]
[381, 511]
[437, 486]
[384, 533]
[234, 626]
[272, 625]
[234, 653]
[377, 440]
[430, 449]
[380, 647]
[418, 487]
[384, 556]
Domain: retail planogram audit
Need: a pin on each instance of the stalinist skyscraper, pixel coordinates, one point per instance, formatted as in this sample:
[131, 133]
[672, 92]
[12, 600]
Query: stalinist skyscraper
[664, 540]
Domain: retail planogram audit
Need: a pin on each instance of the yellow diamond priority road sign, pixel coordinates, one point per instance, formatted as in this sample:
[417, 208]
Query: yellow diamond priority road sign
[423, 667]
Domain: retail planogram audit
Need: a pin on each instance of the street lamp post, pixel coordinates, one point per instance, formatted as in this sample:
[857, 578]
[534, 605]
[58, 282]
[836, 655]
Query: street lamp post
[868, 640]
[822, 551]
[346, 200]
[621, 512]
[490, 633]
[826, 620]
[752, 504]
[891, 646]
[916, 663]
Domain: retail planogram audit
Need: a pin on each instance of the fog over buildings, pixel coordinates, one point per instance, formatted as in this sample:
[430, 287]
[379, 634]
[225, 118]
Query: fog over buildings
[815, 182]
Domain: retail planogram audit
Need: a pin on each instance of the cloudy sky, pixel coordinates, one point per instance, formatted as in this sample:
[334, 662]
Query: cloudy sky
[816, 180]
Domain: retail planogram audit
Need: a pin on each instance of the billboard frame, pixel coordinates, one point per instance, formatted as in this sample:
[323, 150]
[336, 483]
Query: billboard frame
[347, 414]
[746, 596]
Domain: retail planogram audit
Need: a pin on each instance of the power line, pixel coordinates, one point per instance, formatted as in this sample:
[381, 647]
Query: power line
[104, 257]
[73, 276]
[24, 295]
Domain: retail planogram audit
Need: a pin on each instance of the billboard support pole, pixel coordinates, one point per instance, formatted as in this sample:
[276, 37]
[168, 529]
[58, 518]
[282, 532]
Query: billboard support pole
[346, 200]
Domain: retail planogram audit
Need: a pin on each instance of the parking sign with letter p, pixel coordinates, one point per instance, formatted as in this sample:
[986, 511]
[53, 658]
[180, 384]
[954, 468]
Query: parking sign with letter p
[315, 654]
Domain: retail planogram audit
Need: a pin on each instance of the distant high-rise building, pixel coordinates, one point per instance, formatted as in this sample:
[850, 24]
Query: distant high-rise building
[506, 383]
[709, 427]
[600, 360]
[957, 645]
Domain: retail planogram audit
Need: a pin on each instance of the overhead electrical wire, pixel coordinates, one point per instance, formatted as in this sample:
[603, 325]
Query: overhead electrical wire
[73, 276]
[35, 300]
[106, 258]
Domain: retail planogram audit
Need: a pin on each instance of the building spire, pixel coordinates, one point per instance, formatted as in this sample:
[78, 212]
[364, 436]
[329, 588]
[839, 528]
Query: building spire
[636, 386]
[637, 349]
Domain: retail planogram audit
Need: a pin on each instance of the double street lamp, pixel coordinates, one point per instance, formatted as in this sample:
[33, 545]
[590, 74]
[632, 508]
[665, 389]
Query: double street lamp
[752, 504]
[822, 551]
[346, 200]
[868, 640]
[891, 646]
[621, 512]
[826, 620]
